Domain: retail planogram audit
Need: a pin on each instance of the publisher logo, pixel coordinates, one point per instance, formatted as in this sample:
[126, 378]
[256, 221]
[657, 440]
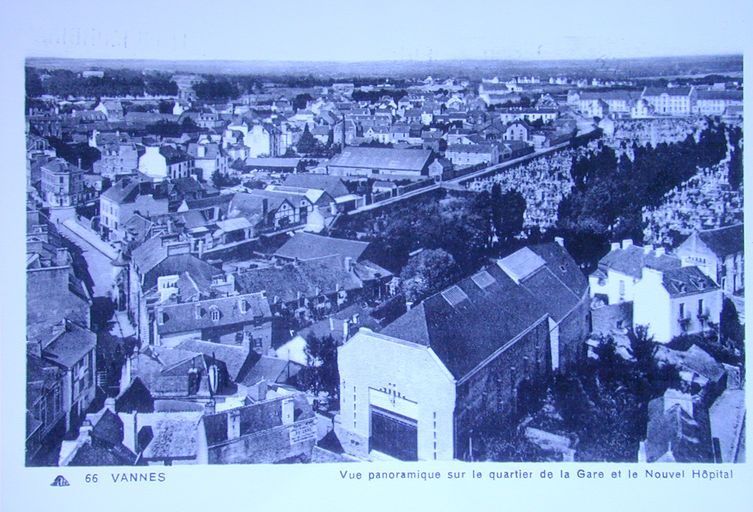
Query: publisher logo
[60, 481]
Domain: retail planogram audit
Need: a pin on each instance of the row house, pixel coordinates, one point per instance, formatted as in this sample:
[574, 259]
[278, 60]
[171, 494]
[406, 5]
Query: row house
[126, 198]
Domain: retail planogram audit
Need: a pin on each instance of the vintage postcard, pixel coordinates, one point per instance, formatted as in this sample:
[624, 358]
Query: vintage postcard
[409, 250]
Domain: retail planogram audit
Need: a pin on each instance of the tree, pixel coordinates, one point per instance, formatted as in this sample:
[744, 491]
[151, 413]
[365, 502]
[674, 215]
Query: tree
[301, 100]
[321, 358]
[508, 210]
[307, 143]
[427, 272]
[730, 327]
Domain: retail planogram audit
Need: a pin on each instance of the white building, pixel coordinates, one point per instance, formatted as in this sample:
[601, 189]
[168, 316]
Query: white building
[675, 302]
[622, 268]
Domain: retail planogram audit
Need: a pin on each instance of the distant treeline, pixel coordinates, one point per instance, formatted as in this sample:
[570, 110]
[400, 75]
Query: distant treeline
[119, 82]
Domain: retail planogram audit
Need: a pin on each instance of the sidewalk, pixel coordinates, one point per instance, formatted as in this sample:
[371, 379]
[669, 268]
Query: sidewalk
[91, 238]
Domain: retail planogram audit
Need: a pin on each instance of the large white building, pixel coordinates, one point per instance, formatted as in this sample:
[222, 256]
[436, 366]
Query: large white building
[419, 388]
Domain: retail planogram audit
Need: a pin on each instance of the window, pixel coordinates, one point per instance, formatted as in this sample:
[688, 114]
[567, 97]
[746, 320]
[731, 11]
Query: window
[215, 315]
[682, 310]
[622, 289]
[700, 307]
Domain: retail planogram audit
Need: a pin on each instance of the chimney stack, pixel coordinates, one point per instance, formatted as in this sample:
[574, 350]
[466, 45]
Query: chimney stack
[627, 243]
[233, 424]
[615, 246]
[560, 241]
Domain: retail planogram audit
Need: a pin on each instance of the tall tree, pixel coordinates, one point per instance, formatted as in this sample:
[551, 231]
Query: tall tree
[428, 272]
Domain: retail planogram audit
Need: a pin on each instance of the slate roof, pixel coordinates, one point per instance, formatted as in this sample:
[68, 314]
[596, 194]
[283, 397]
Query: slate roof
[98, 453]
[176, 434]
[680, 282]
[237, 359]
[269, 369]
[631, 261]
[324, 274]
[70, 345]
[671, 91]
[193, 316]
[254, 418]
[467, 323]
[382, 158]
[674, 435]
[164, 372]
[333, 185]
[694, 359]
[308, 246]
[733, 95]
[724, 241]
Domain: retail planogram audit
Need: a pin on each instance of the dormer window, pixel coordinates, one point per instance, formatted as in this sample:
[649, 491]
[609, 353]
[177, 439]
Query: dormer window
[214, 314]
[243, 306]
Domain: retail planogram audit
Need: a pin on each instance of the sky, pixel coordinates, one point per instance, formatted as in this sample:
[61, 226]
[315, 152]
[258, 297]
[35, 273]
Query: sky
[341, 30]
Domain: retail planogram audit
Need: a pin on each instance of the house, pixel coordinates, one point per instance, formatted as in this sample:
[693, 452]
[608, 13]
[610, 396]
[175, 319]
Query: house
[117, 160]
[671, 101]
[418, 388]
[281, 427]
[165, 162]
[715, 103]
[99, 442]
[62, 184]
[678, 430]
[112, 109]
[70, 348]
[208, 158]
[126, 198]
[719, 254]
[163, 260]
[232, 320]
[676, 301]
[517, 130]
[465, 155]
[262, 140]
[621, 268]
[308, 289]
[45, 409]
[380, 162]
[332, 185]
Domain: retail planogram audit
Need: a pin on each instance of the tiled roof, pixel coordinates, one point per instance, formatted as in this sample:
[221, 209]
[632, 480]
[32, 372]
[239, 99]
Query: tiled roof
[675, 435]
[176, 434]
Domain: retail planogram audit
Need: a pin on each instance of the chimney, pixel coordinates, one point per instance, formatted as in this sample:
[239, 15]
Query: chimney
[233, 424]
[84, 432]
[660, 251]
[615, 246]
[258, 392]
[110, 404]
[647, 249]
[560, 241]
[348, 264]
[288, 411]
[331, 324]
[210, 407]
[627, 243]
